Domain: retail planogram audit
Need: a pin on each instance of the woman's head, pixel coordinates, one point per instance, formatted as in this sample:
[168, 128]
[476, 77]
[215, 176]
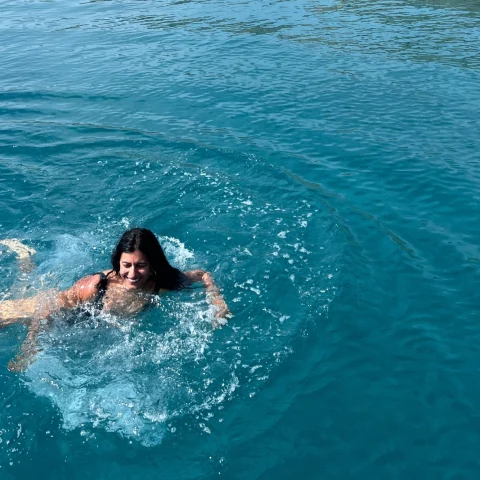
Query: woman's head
[139, 258]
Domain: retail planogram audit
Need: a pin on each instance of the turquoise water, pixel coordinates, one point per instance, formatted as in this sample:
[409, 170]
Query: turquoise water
[322, 160]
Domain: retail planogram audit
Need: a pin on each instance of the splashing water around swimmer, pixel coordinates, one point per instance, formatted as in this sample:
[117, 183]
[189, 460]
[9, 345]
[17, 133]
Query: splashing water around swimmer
[138, 377]
[130, 375]
[164, 370]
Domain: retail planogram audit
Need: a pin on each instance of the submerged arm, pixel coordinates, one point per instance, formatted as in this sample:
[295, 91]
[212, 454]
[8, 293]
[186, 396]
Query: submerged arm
[45, 303]
[38, 309]
[24, 309]
[28, 350]
[15, 311]
[213, 294]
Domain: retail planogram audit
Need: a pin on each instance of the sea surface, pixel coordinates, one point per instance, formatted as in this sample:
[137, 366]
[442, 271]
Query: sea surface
[322, 159]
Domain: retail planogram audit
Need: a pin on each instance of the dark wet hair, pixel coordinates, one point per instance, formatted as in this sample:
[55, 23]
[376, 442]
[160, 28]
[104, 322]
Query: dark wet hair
[145, 241]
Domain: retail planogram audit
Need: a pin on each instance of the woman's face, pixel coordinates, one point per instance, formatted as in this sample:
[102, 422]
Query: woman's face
[134, 270]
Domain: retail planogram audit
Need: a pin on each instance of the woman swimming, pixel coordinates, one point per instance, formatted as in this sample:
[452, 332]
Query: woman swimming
[139, 269]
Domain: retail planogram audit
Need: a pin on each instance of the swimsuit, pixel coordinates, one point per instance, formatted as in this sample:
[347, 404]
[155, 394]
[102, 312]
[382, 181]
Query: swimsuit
[102, 286]
[82, 314]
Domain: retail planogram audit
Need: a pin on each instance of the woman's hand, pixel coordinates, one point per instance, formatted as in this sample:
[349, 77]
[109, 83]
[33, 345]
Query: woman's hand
[222, 308]
[216, 299]
[21, 362]
[222, 313]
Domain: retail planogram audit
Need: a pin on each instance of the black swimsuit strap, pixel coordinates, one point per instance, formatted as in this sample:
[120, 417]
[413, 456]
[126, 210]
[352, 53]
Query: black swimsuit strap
[102, 286]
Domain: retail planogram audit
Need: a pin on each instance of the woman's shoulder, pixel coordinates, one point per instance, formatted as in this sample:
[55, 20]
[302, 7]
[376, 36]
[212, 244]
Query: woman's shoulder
[89, 285]
[95, 278]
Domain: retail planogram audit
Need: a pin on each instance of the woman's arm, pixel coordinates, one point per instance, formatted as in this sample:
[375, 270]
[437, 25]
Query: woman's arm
[28, 350]
[84, 290]
[15, 311]
[45, 303]
[213, 294]
[38, 309]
